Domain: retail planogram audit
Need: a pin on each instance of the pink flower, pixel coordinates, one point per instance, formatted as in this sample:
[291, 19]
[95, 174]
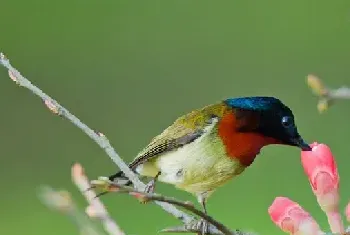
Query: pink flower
[321, 170]
[292, 218]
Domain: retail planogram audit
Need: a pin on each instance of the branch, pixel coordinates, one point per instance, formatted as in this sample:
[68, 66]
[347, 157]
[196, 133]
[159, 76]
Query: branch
[108, 186]
[61, 201]
[95, 209]
[326, 96]
[98, 137]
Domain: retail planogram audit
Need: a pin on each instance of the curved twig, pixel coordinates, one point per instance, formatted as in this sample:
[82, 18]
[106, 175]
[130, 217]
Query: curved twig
[61, 201]
[106, 184]
[96, 209]
[98, 137]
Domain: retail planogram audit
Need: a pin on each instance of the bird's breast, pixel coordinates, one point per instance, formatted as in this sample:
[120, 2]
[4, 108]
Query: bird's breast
[241, 146]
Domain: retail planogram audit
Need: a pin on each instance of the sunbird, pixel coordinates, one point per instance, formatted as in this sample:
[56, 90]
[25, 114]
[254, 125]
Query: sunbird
[207, 147]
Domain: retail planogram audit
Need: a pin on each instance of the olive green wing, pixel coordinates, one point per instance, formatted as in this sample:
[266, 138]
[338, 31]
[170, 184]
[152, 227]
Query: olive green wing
[184, 130]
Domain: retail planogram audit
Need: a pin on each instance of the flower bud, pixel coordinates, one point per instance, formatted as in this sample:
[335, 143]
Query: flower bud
[292, 218]
[321, 170]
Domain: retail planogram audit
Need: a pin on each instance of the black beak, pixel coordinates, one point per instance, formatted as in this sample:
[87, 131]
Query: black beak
[298, 141]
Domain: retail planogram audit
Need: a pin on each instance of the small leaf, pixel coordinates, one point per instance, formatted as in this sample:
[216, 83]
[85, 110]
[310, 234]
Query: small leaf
[316, 85]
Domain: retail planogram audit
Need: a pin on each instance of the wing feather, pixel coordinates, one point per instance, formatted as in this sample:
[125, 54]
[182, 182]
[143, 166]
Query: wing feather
[184, 130]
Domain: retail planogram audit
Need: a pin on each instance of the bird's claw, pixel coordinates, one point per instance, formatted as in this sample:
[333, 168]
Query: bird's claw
[202, 226]
[150, 186]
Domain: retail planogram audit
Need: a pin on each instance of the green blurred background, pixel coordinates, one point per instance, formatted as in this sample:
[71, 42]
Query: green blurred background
[129, 68]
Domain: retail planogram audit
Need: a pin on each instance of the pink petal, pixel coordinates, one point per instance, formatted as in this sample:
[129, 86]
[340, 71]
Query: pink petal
[278, 207]
[321, 169]
[291, 217]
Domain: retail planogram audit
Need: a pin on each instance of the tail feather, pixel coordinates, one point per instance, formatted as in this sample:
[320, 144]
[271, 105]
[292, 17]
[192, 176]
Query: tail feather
[120, 178]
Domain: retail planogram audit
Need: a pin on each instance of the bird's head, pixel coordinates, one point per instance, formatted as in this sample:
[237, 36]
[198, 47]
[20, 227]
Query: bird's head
[266, 116]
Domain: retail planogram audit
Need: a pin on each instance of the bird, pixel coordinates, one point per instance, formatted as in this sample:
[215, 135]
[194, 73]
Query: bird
[207, 147]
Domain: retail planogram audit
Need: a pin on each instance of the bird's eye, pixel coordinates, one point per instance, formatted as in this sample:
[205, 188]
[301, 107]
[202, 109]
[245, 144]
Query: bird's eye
[287, 121]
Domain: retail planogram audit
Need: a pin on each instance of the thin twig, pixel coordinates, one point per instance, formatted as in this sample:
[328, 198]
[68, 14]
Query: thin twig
[192, 209]
[108, 185]
[340, 93]
[96, 208]
[326, 96]
[98, 137]
[61, 201]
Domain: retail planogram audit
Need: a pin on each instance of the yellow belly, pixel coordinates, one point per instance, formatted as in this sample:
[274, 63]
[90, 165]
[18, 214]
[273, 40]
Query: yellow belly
[199, 167]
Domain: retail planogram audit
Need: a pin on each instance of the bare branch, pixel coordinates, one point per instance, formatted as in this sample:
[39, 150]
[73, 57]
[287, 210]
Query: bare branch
[326, 95]
[95, 209]
[61, 201]
[99, 138]
[340, 93]
[105, 184]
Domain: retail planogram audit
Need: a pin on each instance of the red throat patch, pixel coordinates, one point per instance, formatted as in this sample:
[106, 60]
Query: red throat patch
[241, 146]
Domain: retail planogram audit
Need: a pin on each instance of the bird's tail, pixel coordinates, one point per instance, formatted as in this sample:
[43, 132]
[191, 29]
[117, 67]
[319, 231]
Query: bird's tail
[120, 178]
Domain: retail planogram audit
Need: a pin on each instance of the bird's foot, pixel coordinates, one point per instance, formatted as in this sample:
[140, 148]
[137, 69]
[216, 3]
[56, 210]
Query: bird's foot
[150, 187]
[202, 226]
